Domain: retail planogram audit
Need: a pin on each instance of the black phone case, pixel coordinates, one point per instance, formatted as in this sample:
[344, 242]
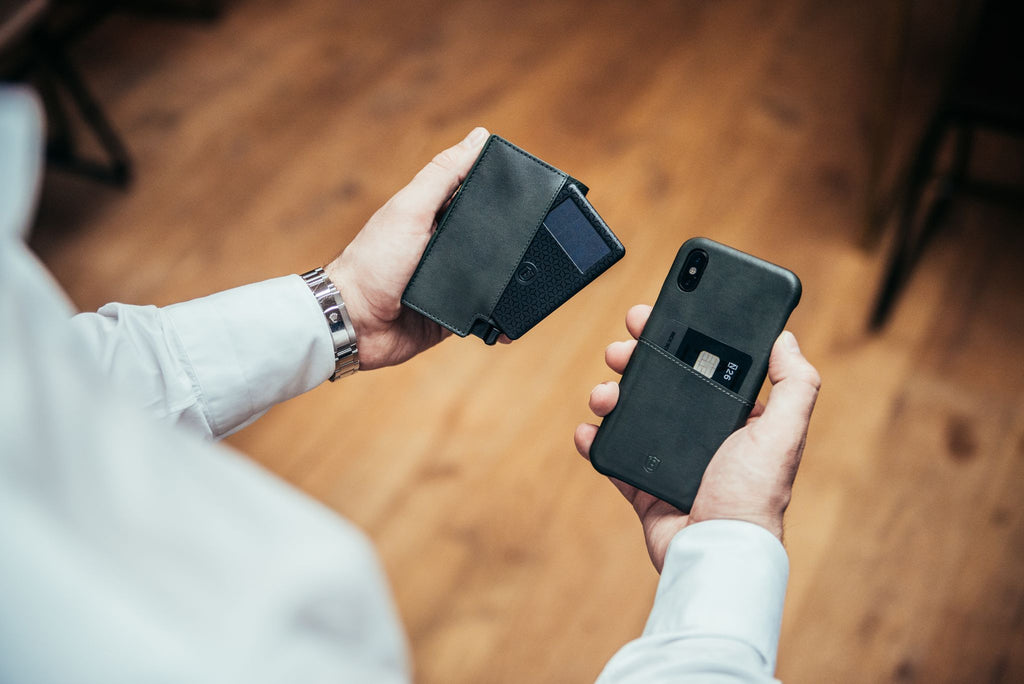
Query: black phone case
[490, 268]
[671, 419]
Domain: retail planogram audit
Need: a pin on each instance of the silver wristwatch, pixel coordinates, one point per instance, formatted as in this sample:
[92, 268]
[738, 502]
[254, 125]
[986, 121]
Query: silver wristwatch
[346, 351]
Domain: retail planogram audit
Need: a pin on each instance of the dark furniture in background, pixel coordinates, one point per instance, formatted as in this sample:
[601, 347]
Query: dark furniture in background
[34, 39]
[984, 94]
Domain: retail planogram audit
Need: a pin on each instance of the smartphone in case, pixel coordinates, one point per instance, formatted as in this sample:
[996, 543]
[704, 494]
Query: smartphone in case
[697, 369]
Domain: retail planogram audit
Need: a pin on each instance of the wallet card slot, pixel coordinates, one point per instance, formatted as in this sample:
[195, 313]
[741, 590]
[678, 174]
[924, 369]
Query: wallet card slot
[571, 248]
[545, 279]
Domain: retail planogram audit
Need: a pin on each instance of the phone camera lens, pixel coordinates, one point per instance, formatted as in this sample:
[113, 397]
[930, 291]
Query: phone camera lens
[693, 269]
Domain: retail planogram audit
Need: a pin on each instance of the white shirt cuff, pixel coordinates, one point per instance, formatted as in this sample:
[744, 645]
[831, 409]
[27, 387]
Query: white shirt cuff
[252, 347]
[723, 579]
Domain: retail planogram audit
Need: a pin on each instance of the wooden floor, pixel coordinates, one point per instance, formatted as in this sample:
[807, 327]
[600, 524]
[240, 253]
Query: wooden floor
[264, 141]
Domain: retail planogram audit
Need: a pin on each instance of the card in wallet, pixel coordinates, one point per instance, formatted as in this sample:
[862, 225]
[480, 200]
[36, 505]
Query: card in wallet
[518, 239]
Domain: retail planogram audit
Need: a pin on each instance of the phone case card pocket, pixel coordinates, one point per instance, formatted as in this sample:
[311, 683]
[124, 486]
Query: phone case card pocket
[676, 425]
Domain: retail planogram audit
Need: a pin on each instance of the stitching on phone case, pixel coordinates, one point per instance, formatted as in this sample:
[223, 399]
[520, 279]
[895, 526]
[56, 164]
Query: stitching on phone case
[682, 365]
[451, 215]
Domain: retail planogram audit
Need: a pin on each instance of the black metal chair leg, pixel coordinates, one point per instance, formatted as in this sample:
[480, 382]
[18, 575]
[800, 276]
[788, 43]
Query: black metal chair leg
[185, 10]
[912, 244]
[947, 187]
[60, 135]
[118, 168]
[905, 246]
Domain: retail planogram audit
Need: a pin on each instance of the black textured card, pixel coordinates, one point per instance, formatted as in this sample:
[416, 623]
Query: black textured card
[713, 359]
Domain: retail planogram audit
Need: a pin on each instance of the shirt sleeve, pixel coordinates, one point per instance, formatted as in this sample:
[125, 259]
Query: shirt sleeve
[215, 363]
[717, 612]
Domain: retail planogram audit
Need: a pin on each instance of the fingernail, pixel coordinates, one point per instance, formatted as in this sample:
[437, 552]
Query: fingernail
[476, 136]
[789, 341]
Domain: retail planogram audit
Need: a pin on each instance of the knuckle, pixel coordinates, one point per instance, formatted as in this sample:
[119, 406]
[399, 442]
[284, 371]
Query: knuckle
[396, 202]
[808, 375]
[813, 378]
[406, 206]
[445, 160]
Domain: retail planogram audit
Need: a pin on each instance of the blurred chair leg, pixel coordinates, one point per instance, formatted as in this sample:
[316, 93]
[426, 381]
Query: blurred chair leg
[60, 135]
[908, 243]
[879, 202]
[948, 185]
[202, 10]
[62, 76]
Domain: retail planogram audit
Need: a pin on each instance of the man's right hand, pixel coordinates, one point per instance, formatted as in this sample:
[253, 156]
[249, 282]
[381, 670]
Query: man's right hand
[374, 269]
[751, 475]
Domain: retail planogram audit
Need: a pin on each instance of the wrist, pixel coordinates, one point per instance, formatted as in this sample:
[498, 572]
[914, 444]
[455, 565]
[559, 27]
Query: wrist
[771, 523]
[354, 302]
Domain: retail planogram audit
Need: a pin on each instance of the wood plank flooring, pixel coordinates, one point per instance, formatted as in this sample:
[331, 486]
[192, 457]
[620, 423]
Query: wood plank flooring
[265, 140]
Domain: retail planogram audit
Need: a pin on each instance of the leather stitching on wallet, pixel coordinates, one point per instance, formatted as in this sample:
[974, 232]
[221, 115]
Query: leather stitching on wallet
[434, 318]
[451, 216]
[530, 156]
[451, 212]
[519, 259]
[682, 365]
[437, 236]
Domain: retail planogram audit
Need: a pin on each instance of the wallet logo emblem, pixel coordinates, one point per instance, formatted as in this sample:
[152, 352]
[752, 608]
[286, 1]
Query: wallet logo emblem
[652, 463]
[526, 272]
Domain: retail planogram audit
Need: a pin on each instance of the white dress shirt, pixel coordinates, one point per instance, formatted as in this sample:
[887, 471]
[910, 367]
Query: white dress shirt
[135, 549]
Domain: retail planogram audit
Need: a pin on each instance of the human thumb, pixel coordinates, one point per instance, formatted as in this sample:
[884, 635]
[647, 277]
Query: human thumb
[795, 387]
[436, 181]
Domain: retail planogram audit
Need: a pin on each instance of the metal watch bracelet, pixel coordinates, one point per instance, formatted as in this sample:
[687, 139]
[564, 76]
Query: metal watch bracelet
[343, 334]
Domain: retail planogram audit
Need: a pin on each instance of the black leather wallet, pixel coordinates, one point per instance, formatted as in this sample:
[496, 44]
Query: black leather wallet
[517, 240]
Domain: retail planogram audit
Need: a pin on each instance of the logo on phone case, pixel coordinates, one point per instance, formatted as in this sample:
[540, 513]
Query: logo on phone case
[652, 463]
